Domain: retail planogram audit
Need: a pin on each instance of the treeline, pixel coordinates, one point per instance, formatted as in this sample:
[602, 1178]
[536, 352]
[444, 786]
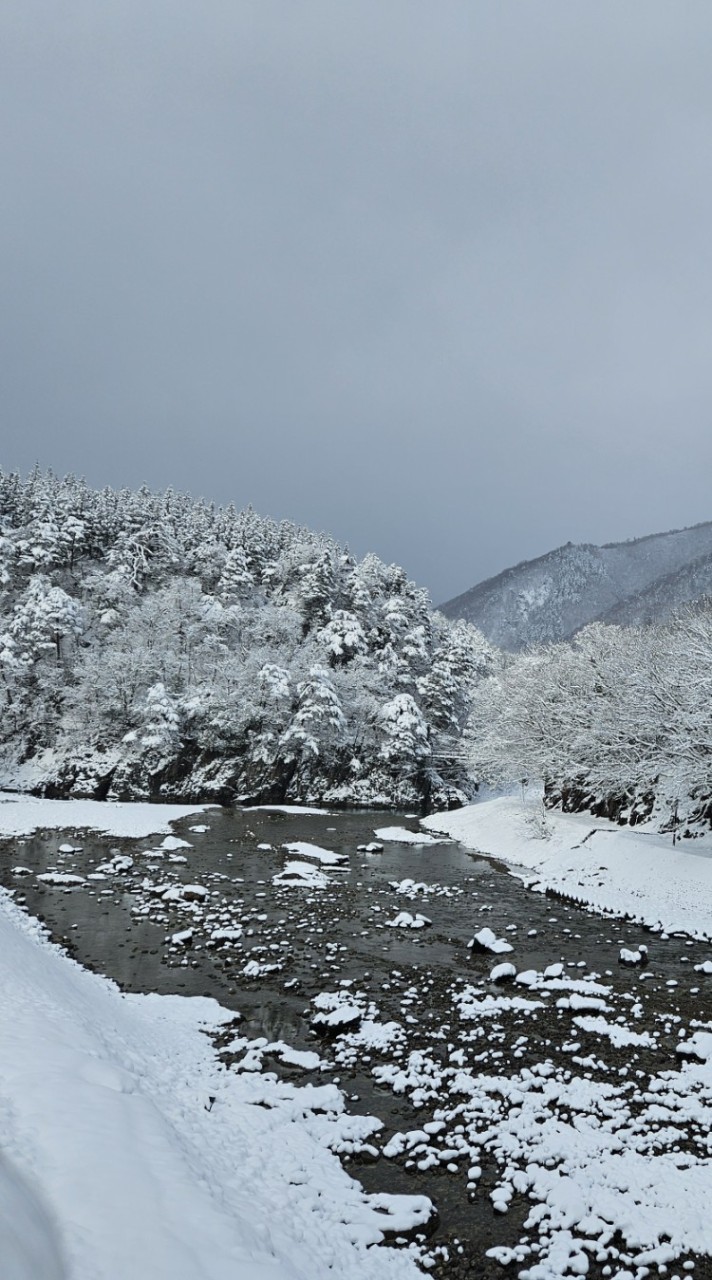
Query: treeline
[155, 645]
[618, 722]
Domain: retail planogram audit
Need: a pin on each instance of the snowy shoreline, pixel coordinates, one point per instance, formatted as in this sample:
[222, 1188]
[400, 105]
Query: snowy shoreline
[22, 815]
[592, 862]
[127, 1149]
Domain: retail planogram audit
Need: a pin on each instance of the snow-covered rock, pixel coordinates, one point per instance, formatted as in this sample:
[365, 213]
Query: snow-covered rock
[698, 1045]
[503, 973]
[404, 920]
[487, 940]
[345, 1017]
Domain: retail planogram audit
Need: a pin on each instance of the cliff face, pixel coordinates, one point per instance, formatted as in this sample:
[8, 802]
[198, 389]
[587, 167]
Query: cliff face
[551, 598]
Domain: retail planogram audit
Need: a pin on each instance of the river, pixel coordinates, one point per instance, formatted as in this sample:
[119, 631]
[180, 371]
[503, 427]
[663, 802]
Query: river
[207, 917]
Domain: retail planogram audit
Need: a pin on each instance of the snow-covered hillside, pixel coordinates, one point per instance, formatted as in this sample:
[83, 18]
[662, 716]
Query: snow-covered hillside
[554, 596]
[152, 645]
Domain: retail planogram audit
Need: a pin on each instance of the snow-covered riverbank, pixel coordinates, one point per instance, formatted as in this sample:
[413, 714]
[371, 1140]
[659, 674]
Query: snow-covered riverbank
[625, 871]
[20, 815]
[126, 1149]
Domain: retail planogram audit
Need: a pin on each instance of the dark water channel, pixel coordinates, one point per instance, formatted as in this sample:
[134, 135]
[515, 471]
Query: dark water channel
[308, 940]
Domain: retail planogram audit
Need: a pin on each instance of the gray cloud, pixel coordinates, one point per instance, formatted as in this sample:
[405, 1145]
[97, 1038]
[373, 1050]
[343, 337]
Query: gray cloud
[435, 278]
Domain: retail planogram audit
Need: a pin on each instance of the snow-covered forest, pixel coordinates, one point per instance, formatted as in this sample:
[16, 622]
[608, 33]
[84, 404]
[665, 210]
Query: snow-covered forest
[618, 722]
[152, 645]
[155, 645]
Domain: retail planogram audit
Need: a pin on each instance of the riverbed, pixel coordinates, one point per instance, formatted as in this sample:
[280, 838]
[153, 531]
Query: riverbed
[345, 957]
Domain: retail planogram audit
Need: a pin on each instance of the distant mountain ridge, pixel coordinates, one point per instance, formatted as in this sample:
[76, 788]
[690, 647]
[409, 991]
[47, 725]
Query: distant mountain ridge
[552, 597]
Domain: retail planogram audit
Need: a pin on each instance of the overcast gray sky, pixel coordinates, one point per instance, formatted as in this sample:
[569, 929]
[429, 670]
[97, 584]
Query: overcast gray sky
[435, 277]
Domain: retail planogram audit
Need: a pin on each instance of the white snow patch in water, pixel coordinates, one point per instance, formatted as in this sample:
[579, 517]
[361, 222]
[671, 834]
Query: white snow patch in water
[620, 1036]
[299, 809]
[302, 849]
[60, 877]
[300, 875]
[401, 835]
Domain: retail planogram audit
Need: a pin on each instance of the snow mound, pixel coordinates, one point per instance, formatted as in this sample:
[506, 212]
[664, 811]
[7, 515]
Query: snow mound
[401, 835]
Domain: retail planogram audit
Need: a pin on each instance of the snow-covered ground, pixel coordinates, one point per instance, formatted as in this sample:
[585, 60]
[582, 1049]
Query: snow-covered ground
[625, 871]
[20, 815]
[128, 1150]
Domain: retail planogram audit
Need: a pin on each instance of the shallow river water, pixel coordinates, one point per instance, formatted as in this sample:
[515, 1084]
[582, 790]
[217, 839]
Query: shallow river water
[460, 1070]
